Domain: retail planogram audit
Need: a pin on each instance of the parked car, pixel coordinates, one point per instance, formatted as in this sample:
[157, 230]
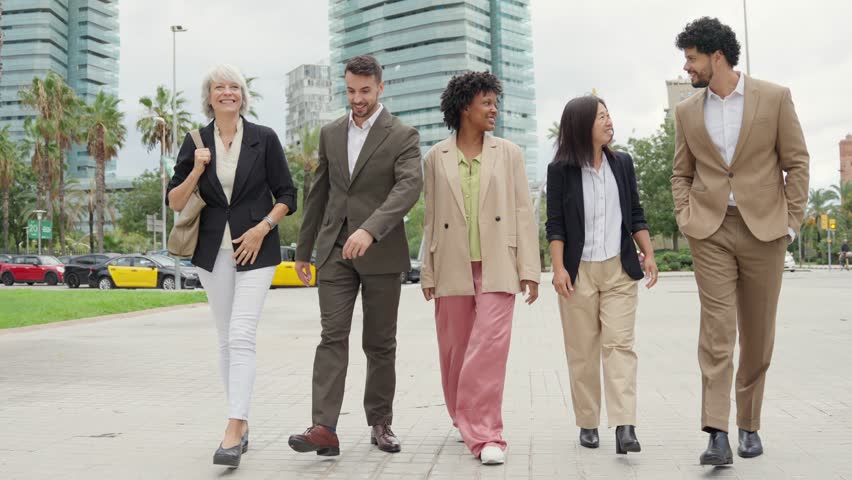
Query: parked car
[77, 268]
[412, 275]
[5, 258]
[140, 271]
[31, 269]
[285, 273]
[789, 262]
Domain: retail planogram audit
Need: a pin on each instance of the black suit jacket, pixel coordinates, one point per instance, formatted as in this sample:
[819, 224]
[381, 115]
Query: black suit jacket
[566, 216]
[261, 180]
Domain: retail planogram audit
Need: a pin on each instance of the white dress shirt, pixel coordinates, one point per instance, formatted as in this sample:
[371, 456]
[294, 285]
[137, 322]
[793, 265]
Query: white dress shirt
[226, 169]
[358, 135]
[602, 212]
[723, 118]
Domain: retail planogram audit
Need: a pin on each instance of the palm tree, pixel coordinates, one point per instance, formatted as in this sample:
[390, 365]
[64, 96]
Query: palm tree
[67, 107]
[255, 96]
[553, 132]
[304, 154]
[32, 145]
[819, 202]
[105, 133]
[81, 208]
[160, 105]
[8, 158]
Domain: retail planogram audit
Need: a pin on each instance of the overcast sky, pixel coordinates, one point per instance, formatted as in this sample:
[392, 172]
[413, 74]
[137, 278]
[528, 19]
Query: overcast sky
[622, 48]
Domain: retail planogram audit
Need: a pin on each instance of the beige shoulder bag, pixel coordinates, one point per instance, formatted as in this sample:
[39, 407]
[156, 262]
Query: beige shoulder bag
[184, 235]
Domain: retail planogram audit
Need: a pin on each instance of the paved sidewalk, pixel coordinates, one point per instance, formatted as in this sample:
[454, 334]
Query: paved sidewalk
[141, 397]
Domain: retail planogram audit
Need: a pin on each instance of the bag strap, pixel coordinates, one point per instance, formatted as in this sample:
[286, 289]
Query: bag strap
[196, 137]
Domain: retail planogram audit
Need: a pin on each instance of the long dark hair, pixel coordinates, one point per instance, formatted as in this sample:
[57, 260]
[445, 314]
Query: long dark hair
[574, 143]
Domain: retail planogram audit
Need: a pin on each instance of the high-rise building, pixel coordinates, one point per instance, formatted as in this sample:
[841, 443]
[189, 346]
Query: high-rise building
[678, 90]
[76, 39]
[846, 159]
[423, 44]
[308, 99]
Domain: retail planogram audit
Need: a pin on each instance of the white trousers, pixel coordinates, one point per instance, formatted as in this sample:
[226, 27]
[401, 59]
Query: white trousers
[236, 300]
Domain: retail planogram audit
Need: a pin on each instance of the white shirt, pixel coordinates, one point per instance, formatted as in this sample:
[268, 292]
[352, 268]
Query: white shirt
[602, 212]
[358, 135]
[723, 118]
[226, 169]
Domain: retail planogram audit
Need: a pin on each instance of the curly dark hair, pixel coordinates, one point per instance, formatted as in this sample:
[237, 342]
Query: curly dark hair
[708, 35]
[461, 91]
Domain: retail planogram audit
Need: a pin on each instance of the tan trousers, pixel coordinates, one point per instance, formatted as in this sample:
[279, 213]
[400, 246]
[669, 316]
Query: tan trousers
[739, 280]
[597, 323]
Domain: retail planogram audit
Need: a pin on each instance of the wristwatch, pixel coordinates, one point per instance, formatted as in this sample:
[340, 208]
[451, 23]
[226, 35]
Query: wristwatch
[270, 222]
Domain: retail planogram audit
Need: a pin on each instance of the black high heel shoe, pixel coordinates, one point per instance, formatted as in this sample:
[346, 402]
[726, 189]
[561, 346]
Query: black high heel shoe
[230, 457]
[625, 440]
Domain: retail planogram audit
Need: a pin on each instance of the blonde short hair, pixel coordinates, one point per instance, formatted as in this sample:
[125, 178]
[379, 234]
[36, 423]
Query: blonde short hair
[223, 73]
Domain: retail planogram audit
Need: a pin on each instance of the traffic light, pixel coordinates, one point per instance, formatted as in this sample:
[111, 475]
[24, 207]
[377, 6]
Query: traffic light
[832, 224]
[823, 221]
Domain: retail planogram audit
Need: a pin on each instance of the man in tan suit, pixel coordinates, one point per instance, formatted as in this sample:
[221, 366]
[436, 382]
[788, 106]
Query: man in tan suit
[369, 176]
[734, 141]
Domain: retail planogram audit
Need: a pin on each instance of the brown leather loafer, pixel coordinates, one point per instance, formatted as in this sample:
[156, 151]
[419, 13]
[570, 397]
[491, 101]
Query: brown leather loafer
[383, 436]
[316, 438]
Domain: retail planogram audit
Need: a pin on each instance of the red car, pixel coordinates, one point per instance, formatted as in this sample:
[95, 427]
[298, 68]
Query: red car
[32, 269]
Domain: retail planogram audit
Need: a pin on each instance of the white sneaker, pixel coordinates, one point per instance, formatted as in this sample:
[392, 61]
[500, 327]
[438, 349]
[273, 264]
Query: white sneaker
[492, 455]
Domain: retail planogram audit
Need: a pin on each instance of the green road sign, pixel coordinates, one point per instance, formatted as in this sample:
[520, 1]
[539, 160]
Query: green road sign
[46, 229]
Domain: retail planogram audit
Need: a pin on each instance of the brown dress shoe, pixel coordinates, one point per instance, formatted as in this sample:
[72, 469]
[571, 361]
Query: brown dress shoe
[383, 436]
[316, 439]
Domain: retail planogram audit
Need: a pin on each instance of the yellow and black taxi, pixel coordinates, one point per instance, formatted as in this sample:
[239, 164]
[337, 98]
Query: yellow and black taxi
[140, 271]
[285, 272]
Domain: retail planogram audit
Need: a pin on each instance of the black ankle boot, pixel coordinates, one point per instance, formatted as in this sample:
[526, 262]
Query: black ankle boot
[625, 439]
[589, 437]
[718, 450]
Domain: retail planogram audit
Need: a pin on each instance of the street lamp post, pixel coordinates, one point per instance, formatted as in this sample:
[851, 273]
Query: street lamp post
[175, 29]
[748, 56]
[162, 120]
[39, 216]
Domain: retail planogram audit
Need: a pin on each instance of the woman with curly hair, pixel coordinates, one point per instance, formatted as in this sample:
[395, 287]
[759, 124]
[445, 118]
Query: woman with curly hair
[483, 250]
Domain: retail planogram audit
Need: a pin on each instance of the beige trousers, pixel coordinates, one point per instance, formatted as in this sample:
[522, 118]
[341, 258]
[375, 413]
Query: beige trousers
[739, 280]
[598, 324]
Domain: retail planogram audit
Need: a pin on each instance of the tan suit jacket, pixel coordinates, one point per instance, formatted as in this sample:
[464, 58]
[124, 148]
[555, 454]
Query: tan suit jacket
[507, 230]
[385, 184]
[770, 143]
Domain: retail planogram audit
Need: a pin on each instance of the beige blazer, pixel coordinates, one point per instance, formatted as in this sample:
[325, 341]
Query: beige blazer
[771, 143]
[508, 232]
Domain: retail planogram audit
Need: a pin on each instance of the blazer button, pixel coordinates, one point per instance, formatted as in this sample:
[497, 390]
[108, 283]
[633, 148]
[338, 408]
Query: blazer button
[498, 219]
[731, 175]
[446, 225]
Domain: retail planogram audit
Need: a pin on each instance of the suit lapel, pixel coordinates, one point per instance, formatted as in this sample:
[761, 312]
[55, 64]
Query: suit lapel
[339, 154]
[486, 166]
[450, 162]
[248, 155]
[750, 104]
[700, 127]
[207, 136]
[377, 135]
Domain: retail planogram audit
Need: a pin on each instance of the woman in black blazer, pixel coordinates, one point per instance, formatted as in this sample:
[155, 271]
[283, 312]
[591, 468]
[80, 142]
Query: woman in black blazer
[593, 217]
[243, 177]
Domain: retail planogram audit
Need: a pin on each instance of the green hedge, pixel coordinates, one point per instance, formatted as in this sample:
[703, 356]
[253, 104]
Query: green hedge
[674, 261]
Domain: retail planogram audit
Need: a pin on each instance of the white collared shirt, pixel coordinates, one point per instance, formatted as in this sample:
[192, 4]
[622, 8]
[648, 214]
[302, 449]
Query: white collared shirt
[226, 170]
[358, 135]
[723, 118]
[602, 212]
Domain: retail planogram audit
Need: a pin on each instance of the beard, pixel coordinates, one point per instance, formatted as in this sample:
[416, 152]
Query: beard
[370, 108]
[702, 79]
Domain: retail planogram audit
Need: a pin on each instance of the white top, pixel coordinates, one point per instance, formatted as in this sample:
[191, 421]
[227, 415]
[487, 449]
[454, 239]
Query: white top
[602, 212]
[226, 169]
[358, 135]
[723, 118]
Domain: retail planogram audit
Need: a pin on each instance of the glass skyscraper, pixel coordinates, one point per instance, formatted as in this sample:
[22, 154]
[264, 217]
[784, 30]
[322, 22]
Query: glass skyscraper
[77, 39]
[423, 43]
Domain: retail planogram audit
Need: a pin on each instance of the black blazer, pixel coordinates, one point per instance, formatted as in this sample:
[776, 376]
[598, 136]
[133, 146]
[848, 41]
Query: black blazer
[261, 180]
[566, 215]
